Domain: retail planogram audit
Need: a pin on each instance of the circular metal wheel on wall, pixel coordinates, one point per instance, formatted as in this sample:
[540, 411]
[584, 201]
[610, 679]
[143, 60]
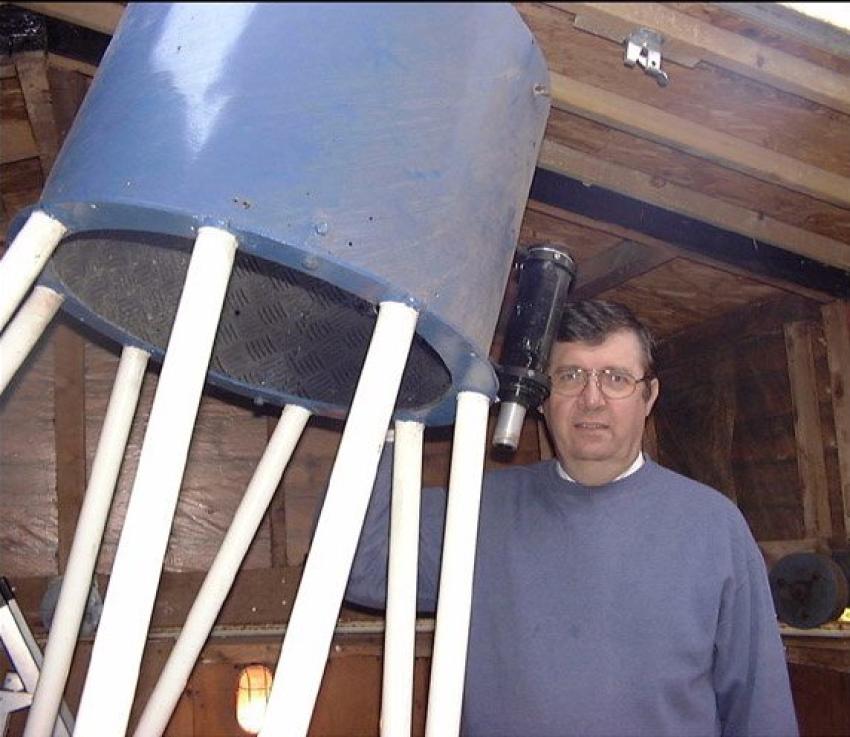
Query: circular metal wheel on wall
[808, 590]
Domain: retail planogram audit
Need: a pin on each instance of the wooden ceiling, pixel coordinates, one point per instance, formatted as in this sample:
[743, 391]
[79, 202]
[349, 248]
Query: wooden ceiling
[727, 187]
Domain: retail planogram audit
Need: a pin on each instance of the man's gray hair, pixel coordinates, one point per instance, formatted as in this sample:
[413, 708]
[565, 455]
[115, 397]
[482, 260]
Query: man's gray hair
[593, 320]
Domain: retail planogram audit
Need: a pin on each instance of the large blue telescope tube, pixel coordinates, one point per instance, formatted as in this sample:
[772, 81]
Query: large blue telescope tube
[360, 153]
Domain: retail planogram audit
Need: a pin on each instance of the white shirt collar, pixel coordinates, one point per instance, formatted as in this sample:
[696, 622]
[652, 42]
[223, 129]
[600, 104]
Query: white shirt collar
[628, 472]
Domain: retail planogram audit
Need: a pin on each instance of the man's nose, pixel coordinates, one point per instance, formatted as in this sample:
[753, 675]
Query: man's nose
[591, 395]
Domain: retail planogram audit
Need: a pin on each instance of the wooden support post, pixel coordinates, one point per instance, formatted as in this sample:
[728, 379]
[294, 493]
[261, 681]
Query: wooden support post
[836, 328]
[817, 521]
[32, 74]
[69, 391]
[68, 88]
[63, 95]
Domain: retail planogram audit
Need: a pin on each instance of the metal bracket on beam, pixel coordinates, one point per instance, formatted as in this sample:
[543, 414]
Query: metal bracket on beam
[643, 47]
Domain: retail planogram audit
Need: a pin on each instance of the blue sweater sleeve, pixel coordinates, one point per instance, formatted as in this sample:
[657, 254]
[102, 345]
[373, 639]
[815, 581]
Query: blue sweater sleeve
[367, 583]
[750, 671]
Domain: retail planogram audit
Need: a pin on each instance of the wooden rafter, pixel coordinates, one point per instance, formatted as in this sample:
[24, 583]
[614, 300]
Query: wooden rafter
[644, 187]
[74, 65]
[649, 122]
[101, 17]
[782, 19]
[616, 266]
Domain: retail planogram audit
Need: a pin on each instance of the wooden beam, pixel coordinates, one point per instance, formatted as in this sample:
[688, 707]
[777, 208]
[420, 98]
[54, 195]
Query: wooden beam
[70, 434]
[615, 266]
[646, 121]
[778, 17]
[602, 226]
[102, 17]
[817, 521]
[22, 182]
[259, 597]
[18, 142]
[823, 648]
[32, 74]
[836, 328]
[655, 190]
[721, 427]
[728, 50]
[74, 65]
[68, 91]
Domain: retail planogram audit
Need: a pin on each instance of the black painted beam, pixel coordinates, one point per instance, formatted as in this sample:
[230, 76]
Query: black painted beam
[688, 233]
[25, 30]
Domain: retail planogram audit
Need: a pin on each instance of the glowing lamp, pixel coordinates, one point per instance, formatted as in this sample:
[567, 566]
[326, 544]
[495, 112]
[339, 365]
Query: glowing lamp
[252, 695]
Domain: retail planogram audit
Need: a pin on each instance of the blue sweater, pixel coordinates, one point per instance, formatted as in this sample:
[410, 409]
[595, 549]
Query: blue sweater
[640, 607]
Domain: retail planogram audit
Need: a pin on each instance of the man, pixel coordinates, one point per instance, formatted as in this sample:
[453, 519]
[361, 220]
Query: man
[612, 596]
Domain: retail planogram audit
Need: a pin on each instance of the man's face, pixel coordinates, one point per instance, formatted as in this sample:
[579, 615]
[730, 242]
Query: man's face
[597, 438]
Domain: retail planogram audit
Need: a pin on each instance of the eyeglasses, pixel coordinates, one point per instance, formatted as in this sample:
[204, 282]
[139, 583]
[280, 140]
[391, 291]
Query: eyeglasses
[613, 383]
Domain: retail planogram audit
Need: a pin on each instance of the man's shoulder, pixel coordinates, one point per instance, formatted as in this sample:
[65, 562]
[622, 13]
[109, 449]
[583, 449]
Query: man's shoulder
[518, 477]
[676, 479]
[684, 487]
[521, 471]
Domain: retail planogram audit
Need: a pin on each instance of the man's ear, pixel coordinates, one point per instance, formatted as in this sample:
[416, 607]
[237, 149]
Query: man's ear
[654, 388]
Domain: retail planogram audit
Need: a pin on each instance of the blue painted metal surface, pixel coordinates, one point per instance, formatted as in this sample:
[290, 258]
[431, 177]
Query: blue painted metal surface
[386, 149]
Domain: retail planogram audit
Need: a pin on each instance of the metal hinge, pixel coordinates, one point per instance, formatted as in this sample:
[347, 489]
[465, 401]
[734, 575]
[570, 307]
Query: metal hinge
[643, 47]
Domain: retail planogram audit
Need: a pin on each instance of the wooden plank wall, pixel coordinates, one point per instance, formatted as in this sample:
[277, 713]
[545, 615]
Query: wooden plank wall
[746, 406]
